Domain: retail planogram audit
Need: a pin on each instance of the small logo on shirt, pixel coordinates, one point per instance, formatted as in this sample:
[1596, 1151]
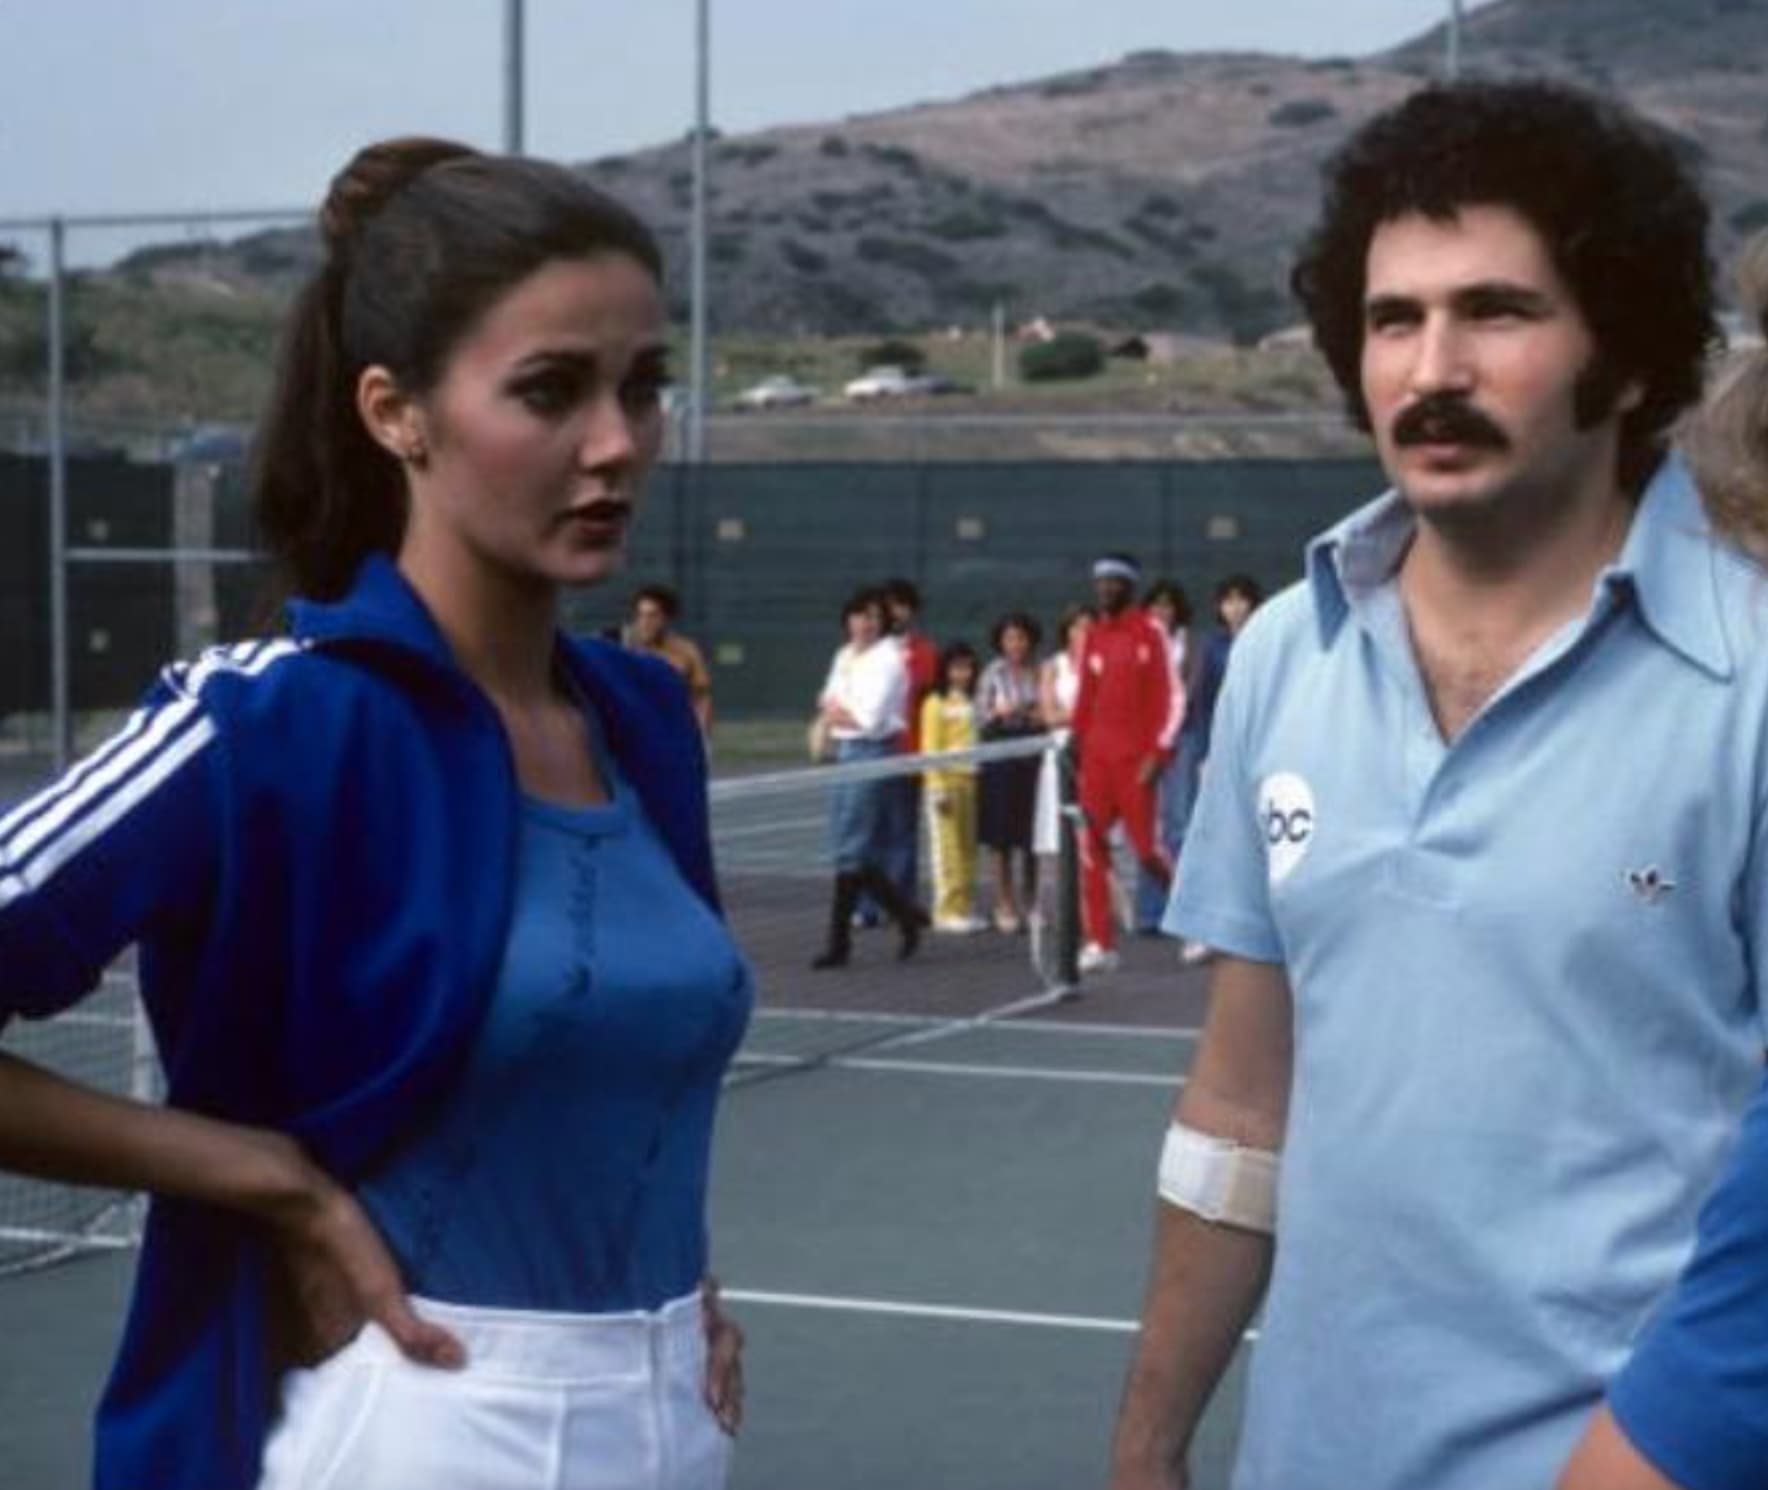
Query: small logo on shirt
[1650, 884]
[1286, 819]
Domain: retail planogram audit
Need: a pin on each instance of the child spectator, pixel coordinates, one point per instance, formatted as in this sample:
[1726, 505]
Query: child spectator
[948, 722]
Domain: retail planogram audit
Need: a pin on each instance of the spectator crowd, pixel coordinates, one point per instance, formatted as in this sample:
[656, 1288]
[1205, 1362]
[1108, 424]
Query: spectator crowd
[1127, 687]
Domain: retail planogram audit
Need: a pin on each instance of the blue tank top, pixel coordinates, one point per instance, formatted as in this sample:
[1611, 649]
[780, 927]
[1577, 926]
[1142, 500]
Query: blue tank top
[567, 1169]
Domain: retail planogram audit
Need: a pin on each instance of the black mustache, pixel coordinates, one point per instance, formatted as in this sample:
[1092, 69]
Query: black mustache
[1448, 419]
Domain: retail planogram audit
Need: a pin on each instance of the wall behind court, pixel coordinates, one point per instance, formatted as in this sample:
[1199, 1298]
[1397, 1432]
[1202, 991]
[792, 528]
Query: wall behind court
[762, 554]
[120, 616]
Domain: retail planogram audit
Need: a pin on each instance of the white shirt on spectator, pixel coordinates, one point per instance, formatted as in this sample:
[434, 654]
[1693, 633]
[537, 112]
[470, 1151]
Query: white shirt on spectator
[873, 686]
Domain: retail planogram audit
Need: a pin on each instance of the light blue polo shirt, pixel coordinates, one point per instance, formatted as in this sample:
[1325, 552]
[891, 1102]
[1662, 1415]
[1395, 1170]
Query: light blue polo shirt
[1527, 990]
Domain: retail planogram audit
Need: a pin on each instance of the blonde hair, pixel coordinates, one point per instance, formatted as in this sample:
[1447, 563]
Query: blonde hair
[1727, 439]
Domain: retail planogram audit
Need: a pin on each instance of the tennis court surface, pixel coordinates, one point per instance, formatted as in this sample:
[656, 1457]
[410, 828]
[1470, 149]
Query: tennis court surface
[931, 1211]
[935, 1234]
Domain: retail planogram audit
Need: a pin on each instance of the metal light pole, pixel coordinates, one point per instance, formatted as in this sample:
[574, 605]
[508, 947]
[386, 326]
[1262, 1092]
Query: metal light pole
[60, 704]
[1454, 41]
[700, 353]
[514, 58]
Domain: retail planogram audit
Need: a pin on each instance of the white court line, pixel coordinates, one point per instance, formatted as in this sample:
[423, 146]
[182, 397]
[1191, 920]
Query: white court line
[1138, 1031]
[1039, 1026]
[771, 827]
[929, 1311]
[988, 1018]
[82, 1018]
[848, 1016]
[937, 1311]
[957, 1068]
[84, 1240]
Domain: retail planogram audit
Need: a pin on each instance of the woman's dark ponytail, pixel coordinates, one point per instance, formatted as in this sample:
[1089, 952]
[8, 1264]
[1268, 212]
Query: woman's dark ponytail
[325, 495]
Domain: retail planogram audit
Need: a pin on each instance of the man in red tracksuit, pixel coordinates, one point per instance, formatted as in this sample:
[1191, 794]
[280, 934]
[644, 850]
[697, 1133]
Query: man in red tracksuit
[1119, 719]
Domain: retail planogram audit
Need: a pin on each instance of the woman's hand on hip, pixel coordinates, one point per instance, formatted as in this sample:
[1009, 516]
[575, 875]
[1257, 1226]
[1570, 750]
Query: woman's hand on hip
[338, 1276]
[724, 1360]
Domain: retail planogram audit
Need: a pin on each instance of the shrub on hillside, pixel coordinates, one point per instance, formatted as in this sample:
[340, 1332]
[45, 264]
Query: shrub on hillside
[1074, 86]
[749, 155]
[1164, 302]
[967, 224]
[1176, 244]
[1300, 112]
[895, 155]
[1248, 311]
[805, 260]
[905, 253]
[1067, 355]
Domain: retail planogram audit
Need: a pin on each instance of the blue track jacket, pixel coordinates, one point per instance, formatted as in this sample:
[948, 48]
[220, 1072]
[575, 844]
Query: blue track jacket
[312, 841]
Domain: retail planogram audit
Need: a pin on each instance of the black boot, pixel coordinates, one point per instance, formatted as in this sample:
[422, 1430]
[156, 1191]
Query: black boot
[840, 943]
[909, 917]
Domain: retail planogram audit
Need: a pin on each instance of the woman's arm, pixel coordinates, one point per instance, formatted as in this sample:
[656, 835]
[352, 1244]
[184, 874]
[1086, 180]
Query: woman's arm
[341, 1270]
[122, 847]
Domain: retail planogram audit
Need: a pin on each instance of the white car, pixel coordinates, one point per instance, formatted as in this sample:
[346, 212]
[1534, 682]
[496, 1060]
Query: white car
[883, 382]
[781, 391]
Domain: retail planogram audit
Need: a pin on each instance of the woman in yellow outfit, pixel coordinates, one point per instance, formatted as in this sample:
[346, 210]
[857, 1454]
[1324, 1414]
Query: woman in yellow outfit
[948, 722]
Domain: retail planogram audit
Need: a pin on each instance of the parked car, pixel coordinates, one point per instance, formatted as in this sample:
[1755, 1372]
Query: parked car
[882, 382]
[939, 384]
[781, 391]
[212, 445]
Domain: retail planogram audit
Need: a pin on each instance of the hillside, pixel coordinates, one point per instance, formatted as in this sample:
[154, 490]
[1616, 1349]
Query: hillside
[1163, 191]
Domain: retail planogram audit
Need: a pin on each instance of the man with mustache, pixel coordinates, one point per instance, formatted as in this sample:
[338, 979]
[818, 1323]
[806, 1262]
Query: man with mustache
[1483, 845]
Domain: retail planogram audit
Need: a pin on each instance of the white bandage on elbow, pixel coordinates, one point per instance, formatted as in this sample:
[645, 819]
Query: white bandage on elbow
[1220, 1180]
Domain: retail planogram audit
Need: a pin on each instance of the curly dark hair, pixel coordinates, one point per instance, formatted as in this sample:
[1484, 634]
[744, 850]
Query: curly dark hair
[1243, 585]
[1173, 593]
[664, 597]
[866, 598]
[1611, 195]
[1015, 620]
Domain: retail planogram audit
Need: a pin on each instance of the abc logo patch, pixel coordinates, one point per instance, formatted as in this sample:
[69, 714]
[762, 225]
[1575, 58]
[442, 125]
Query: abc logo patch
[1285, 822]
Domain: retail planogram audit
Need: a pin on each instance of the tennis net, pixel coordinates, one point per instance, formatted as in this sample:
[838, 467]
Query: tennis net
[772, 841]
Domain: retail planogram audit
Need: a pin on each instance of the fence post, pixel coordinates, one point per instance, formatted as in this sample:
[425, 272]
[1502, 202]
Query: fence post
[196, 616]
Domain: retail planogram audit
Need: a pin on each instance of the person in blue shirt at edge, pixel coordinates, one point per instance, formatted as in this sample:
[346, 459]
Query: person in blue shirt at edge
[1237, 596]
[1690, 1407]
[1483, 842]
[430, 1184]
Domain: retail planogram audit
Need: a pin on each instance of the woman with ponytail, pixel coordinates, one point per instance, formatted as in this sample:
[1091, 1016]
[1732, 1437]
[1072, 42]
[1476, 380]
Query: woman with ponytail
[429, 1186]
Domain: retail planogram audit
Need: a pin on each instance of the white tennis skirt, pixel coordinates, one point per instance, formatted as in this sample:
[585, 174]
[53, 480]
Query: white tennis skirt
[545, 1402]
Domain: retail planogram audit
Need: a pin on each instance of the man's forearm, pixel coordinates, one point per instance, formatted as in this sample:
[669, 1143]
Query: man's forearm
[1203, 1288]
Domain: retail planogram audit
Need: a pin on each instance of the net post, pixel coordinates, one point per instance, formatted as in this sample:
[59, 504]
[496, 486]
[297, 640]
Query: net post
[1067, 869]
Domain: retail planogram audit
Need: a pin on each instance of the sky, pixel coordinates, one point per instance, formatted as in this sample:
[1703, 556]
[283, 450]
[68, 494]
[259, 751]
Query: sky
[179, 105]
